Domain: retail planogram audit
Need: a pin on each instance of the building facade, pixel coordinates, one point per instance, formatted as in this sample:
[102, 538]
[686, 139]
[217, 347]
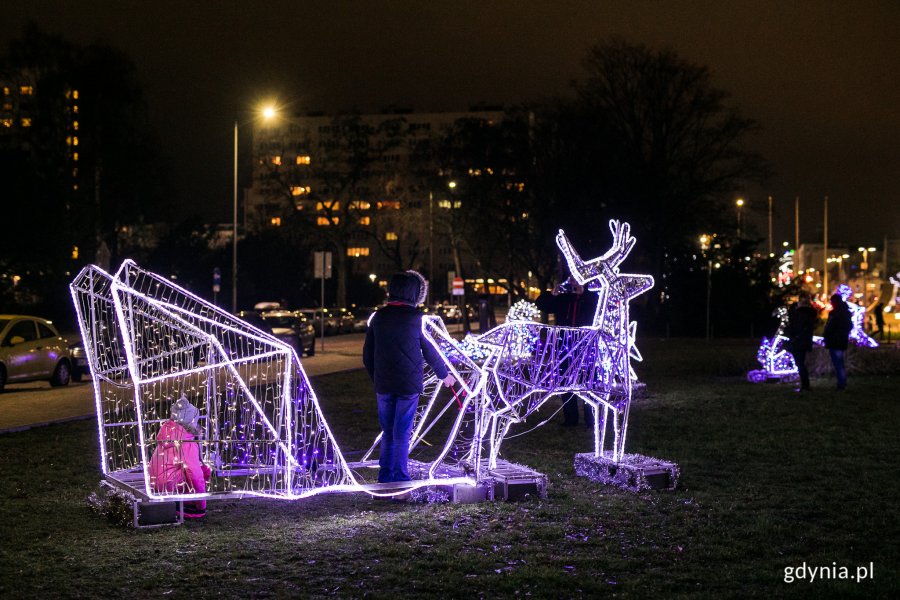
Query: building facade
[359, 180]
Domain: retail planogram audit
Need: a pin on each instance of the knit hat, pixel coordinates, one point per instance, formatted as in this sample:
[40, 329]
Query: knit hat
[409, 287]
[186, 414]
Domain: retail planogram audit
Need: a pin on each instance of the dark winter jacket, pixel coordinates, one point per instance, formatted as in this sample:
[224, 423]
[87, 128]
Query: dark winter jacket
[799, 331]
[838, 326]
[571, 310]
[396, 350]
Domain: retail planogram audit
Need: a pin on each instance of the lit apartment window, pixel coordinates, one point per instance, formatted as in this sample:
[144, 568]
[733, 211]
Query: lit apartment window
[391, 236]
[325, 221]
[26, 121]
[74, 252]
[7, 106]
[75, 109]
[276, 221]
[360, 205]
[276, 160]
[75, 157]
[457, 204]
[365, 221]
[299, 190]
[75, 125]
[389, 204]
[5, 91]
[75, 140]
[444, 204]
[6, 122]
[75, 94]
[26, 90]
[334, 205]
[303, 160]
[357, 252]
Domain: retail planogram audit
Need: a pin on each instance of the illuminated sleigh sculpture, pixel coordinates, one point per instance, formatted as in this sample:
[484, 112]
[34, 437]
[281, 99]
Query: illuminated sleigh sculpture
[509, 372]
[149, 342]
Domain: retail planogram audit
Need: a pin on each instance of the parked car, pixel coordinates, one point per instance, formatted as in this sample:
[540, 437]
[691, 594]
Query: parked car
[285, 326]
[293, 328]
[314, 316]
[31, 349]
[80, 366]
[361, 317]
[344, 319]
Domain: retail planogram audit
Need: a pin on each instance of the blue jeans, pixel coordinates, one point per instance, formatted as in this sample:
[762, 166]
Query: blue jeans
[396, 414]
[837, 359]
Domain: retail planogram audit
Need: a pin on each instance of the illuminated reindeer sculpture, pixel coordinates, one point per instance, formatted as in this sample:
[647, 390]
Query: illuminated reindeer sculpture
[509, 372]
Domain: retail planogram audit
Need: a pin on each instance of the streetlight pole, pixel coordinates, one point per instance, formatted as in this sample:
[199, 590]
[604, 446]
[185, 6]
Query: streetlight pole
[865, 269]
[235, 232]
[268, 113]
[740, 205]
[771, 247]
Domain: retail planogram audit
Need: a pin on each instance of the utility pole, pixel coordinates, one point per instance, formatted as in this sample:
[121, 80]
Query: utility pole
[771, 250]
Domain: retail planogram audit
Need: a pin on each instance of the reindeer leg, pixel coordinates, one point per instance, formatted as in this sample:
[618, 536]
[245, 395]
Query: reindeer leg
[500, 425]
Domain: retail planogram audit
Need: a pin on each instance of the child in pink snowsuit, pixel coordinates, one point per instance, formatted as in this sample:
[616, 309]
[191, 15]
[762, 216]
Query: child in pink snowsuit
[175, 465]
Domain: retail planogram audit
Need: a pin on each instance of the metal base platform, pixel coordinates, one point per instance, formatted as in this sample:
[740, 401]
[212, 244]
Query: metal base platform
[507, 482]
[760, 376]
[634, 472]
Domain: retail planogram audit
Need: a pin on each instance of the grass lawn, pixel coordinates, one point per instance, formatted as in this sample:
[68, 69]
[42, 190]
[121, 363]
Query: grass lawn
[770, 479]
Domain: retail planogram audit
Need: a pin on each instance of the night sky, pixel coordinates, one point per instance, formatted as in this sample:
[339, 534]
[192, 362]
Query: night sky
[822, 78]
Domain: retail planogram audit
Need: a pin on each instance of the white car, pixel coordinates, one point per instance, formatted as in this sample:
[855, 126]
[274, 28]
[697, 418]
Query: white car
[31, 349]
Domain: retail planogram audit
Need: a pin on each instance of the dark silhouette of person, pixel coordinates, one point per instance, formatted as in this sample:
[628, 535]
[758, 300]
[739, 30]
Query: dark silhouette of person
[801, 322]
[486, 317]
[837, 334]
[573, 307]
[878, 310]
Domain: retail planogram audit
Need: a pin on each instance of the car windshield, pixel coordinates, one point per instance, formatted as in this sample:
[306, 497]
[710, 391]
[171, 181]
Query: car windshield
[280, 321]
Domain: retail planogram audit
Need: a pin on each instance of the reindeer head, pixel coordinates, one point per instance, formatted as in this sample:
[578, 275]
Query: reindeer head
[602, 273]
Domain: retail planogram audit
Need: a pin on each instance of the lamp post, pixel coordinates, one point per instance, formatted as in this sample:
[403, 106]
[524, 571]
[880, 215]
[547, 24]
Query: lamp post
[704, 246]
[268, 113]
[865, 268]
[740, 204]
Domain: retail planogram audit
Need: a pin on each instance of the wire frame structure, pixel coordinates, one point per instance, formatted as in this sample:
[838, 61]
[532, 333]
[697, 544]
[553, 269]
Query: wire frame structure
[510, 371]
[150, 342]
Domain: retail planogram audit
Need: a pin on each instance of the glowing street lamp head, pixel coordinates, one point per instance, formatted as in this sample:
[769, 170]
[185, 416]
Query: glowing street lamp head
[451, 185]
[269, 112]
[740, 202]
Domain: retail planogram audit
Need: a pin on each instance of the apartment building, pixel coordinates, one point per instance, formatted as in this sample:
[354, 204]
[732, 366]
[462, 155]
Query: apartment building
[352, 175]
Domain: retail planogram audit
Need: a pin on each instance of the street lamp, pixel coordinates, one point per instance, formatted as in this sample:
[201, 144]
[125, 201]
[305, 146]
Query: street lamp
[705, 242]
[865, 268]
[740, 205]
[268, 113]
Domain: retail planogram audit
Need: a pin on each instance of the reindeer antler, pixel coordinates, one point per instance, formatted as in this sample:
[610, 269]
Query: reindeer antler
[623, 242]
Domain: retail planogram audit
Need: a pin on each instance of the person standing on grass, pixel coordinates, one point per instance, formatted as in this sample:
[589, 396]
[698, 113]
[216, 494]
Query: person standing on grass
[573, 307]
[837, 333]
[801, 322]
[394, 353]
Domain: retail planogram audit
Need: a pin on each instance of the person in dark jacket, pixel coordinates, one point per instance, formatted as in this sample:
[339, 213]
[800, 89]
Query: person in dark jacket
[801, 322]
[394, 354]
[573, 307]
[837, 332]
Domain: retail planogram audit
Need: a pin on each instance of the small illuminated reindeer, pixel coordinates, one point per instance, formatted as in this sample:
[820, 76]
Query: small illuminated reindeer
[523, 364]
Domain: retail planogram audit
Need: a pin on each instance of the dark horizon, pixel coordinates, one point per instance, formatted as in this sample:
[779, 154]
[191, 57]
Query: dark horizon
[818, 78]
